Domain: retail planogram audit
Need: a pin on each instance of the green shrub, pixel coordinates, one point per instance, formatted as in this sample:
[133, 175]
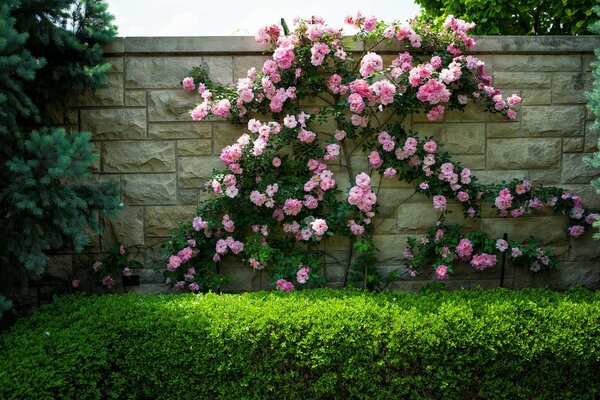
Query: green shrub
[524, 17]
[498, 344]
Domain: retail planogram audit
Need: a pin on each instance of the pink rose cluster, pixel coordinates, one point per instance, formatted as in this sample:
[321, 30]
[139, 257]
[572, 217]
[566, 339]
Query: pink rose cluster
[360, 195]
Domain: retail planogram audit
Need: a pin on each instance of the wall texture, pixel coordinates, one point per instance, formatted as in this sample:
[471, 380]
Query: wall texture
[148, 143]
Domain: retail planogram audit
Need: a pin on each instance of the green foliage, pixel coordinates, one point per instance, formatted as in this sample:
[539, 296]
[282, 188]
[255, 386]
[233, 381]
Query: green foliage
[503, 17]
[49, 50]
[5, 305]
[317, 344]
[53, 174]
[594, 105]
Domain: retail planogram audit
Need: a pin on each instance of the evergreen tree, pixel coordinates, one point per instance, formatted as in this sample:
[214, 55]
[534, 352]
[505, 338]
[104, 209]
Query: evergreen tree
[594, 106]
[49, 50]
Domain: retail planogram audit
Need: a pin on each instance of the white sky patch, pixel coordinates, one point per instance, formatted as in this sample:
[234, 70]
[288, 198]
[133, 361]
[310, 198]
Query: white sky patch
[240, 17]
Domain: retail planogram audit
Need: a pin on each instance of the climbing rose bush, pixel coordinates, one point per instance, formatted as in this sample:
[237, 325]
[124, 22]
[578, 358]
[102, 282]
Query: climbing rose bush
[288, 182]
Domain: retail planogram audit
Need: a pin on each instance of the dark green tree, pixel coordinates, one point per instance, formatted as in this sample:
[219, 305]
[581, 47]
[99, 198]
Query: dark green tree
[50, 50]
[524, 17]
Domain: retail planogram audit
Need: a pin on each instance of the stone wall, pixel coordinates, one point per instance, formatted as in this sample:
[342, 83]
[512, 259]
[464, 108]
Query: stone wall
[148, 143]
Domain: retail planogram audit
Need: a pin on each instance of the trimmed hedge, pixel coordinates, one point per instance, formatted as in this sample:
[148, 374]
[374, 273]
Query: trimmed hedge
[499, 344]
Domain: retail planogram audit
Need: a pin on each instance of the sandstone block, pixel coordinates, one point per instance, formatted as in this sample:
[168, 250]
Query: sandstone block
[180, 130]
[456, 137]
[552, 120]
[570, 87]
[139, 156]
[115, 123]
[160, 220]
[575, 170]
[194, 147]
[522, 80]
[193, 171]
[523, 153]
[171, 105]
[126, 228]
[158, 72]
[537, 63]
[149, 189]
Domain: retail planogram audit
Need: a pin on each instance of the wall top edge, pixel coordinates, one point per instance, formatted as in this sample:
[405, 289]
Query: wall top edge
[247, 45]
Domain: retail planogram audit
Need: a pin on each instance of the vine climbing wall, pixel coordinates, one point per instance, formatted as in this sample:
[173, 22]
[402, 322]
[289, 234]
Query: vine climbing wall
[148, 143]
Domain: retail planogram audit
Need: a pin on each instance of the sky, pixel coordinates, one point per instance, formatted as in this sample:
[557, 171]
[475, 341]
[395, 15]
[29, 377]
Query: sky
[240, 17]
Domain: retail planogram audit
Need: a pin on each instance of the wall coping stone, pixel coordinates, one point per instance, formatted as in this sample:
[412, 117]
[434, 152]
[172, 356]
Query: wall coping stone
[226, 45]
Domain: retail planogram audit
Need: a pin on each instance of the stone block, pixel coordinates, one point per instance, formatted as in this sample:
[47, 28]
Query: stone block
[572, 145]
[472, 161]
[135, 98]
[548, 230]
[575, 170]
[180, 130]
[592, 134]
[522, 80]
[531, 97]
[194, 147]
[225, 134]
[114, 123]
[570, 87]
[193, 171]
[149, 189]
[60, 266]
[390, 248]
[126, 228]
[474, 112]
[138, 156]
[161, 220]
[241, 65]
[241, 279]
[220, 68]
[567, 275]
[503, 129]
[158, 72]
[585, 248]
[171, 105]
[537, 63]
[111, 95]
[523, 153]
[456, 137]
[552, 120]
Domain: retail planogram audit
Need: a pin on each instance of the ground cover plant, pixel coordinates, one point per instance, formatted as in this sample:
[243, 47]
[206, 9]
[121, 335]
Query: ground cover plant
[318, 344]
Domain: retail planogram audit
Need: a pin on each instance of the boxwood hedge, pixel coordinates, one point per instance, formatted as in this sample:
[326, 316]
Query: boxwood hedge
[314, 344]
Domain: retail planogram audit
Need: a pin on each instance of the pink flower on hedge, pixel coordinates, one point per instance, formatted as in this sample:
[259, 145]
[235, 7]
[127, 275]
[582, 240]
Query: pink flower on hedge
[462, 196]
[340, 135]
[303, 274]
[188, 83]
[122, 250]
[591, 218]
[75, 283]
[284, 285]
[174, 263]
[464, 249]
[423, 185]
[516, 252]
[375, 159]
[255, 264]
[389, 172]
[513, 100]
[483, 261]
[385, 91]
[357, 105]
[504, 199]
[306, 136]
[319, 226]
[439, 202]
[371, 62]
[292, 207]
[430, 146]
[363, 180]
[194, 287]
[284, 56]
[441, 272]
[501, 245]
[576, 230]
[433, 92]
[221, 247]
[436, 113]
[185, 254]
[108, 281]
